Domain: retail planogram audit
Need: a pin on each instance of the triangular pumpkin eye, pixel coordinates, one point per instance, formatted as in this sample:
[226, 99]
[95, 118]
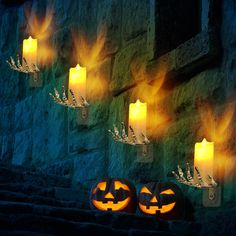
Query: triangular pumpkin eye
[145, 190]
[168, 191]
[102, 186]
[119, 185]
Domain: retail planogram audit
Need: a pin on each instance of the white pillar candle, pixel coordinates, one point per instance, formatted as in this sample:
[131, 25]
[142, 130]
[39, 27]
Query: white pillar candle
[138, 119]
[204, 159]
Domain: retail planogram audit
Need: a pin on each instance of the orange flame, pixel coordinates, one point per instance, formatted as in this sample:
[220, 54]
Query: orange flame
[42, 30]
[89, 55]
[158, 119]
[218, 127]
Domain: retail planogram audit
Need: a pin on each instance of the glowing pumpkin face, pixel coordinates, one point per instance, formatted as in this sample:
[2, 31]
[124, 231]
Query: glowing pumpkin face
[114, 195]
[164, 200]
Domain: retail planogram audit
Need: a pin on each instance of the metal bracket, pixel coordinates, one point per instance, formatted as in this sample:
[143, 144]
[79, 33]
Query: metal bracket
[145, 153]
[35, 81]
[211, 197]
[83, 115]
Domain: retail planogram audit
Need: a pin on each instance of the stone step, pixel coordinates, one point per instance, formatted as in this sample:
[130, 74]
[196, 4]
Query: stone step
[28, 189]
[21, 197]
[116, 220]
[113, 222]
[11, 174]
[64, 194]
[56, 226]
[21, 233]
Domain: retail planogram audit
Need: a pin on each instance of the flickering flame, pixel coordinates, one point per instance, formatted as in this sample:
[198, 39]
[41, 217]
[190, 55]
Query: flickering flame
[89, 54]
[158, 118]
[42, 30]
[204, 142]
[218, 127]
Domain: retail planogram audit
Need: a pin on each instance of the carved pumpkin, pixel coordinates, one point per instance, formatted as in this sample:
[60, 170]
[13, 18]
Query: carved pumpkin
[114, 195]
[164, 200]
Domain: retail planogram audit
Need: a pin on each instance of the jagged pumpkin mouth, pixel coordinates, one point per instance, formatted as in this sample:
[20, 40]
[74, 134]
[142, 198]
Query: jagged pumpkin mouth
[155, 209]
[110, 205]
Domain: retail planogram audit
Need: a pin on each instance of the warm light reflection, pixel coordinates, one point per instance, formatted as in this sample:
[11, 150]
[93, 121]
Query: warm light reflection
[42, 29]
[159, 115]
[217, 126]
[89, 53]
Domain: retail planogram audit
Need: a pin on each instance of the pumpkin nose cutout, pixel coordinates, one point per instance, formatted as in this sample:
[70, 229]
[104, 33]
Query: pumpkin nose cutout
[109, 195]
[154, 199]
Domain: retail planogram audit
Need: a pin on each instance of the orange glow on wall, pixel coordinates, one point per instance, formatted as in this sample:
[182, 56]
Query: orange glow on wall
[159, 110]
[89, 53]
[42, 29]
[217, 125]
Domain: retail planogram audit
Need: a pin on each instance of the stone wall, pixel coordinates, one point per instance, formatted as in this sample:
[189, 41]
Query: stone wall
[198, 68]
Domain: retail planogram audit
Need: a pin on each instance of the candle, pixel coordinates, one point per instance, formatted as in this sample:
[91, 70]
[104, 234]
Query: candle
[137, 119]
[77, 82]
[203, 159]
[30, 47]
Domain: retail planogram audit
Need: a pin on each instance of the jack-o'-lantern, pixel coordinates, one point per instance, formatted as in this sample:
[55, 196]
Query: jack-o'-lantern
[164, 200]
[114, 195]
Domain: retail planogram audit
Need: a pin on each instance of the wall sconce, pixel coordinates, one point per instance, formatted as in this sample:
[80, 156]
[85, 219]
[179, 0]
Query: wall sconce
[203, 174]
[136, 132]
[29, 62]
[76, 93]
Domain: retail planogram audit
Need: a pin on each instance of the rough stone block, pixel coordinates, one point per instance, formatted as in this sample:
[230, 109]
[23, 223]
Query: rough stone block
[88, 16]
[23, 114]
[207, 85]
[6, 148]
[66, 11]
[41, 102]
[87, 139]
[135, 18]
[109, 14]
[40, 145]
[121, 75]
[178, 152]
[116, 162]
[57, 133]
[59, 168]
[8, 37]
[98, 113]
[62, 40]
[89, 166]
[22, 148]
[7, 117]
